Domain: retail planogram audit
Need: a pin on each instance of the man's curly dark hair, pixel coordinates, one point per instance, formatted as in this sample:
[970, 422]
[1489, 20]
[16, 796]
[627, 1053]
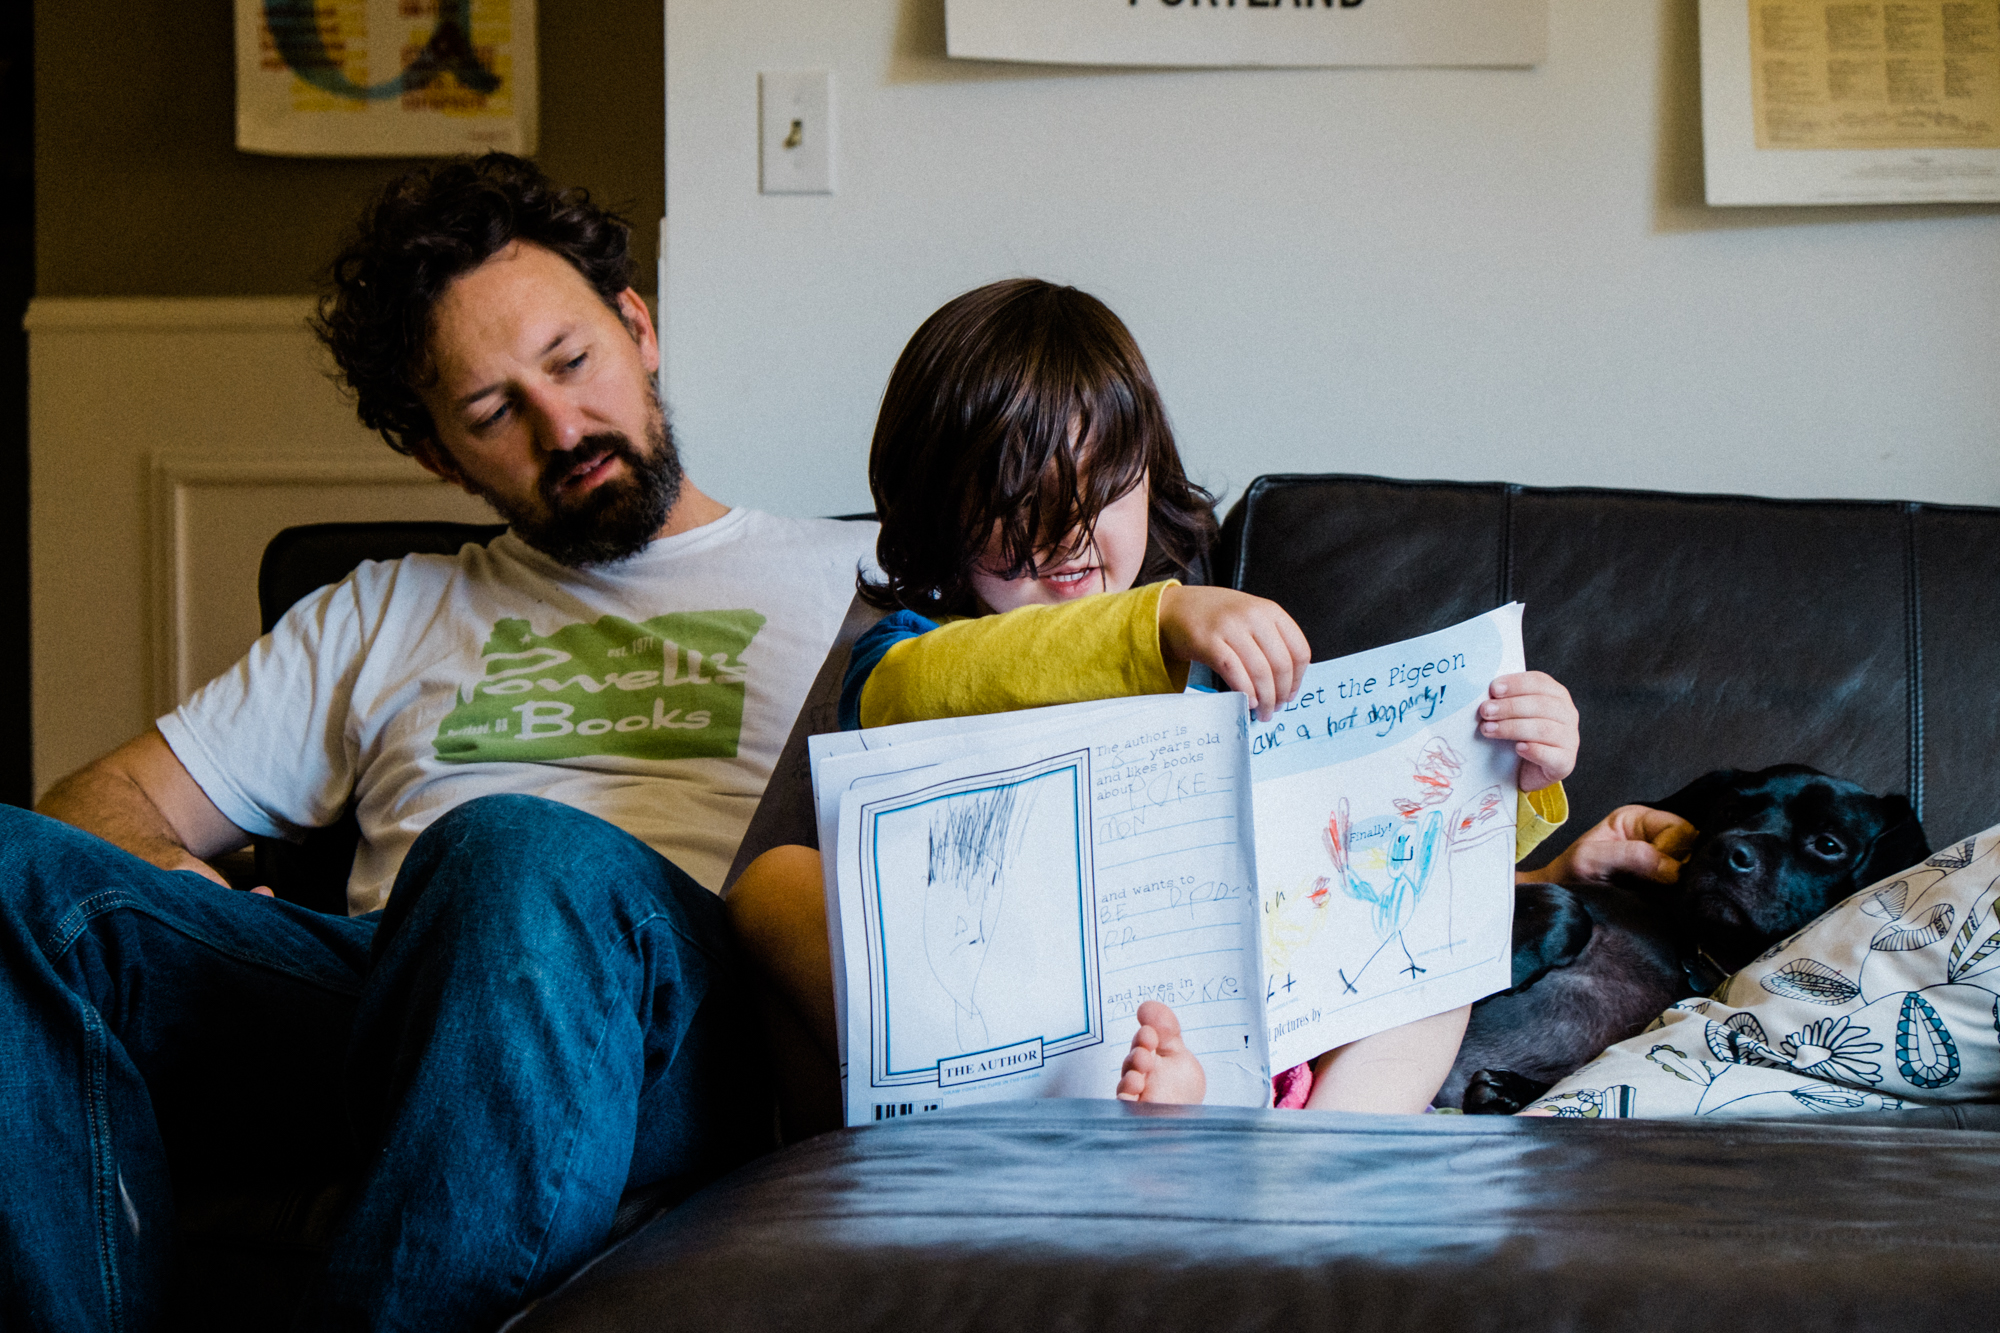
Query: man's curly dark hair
[429, 226]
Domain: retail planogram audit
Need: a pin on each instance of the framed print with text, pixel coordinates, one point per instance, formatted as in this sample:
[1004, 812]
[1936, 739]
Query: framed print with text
[1850, 101]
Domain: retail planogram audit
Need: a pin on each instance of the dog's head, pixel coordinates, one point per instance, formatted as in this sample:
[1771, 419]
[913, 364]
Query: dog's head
[1777, 848]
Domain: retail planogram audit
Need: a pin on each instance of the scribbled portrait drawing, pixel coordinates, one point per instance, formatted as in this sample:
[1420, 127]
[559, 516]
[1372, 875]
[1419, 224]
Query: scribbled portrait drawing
[982, 918]
[973, 841]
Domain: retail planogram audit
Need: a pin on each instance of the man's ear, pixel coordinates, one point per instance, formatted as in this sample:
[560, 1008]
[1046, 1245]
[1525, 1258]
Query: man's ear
[431, 456]
[639, 322]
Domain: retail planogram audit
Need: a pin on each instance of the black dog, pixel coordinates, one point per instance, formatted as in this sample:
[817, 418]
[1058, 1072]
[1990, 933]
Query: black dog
[1595, 964]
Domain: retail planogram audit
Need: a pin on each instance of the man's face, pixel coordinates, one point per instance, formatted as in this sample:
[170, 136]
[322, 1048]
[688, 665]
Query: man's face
[545, 407]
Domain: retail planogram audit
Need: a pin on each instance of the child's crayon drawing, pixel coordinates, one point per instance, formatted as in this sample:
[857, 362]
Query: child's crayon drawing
[1384, 843]
[1392, 863]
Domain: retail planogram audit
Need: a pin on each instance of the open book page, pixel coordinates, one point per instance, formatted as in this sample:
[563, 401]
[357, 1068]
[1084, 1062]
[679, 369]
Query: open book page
[1022, 727]
[1003, 914]
[1385, 839]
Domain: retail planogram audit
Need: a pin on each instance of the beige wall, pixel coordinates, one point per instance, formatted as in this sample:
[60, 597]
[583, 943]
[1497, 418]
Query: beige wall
[170, 435]
[171, 440]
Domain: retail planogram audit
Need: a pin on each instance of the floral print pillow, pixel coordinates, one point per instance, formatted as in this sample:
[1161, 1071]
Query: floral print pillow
[1891, 999]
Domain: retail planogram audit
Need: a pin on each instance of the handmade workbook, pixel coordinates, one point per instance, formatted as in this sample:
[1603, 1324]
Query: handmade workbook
[1004, 891]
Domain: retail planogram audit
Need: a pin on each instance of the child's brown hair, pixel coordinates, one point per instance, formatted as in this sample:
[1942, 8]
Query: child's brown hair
[1024, 408]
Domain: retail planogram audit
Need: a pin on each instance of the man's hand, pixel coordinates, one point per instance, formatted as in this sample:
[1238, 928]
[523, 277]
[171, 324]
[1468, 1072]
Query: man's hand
[1250, 642]
[1533, 710]
[139, 797]
[1632, 840]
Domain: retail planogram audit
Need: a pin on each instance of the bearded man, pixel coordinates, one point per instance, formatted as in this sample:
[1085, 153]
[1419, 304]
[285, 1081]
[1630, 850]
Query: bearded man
[552, 743]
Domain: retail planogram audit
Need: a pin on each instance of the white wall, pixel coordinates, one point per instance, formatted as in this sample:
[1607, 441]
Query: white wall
[1455, 273]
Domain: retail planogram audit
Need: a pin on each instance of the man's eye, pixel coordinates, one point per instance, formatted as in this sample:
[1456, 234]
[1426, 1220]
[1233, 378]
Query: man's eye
[493, 418]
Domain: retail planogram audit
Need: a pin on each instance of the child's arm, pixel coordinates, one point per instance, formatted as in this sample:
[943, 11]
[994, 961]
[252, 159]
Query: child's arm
[1110, 646]
[1101, 647]
[1533, 710]
[1250, 642]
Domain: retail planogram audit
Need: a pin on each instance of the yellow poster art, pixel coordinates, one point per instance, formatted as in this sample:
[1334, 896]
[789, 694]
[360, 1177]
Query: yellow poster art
[385, 78]
[1848, 74]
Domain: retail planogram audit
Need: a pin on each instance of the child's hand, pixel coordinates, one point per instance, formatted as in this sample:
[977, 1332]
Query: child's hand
[1631, 840]
[1533, 710]
[1248, 641]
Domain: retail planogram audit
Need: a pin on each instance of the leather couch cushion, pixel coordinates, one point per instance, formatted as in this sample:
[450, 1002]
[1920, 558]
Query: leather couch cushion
[1072, 1215]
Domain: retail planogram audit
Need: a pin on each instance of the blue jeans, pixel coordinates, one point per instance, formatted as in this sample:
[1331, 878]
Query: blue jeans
[547, 1012]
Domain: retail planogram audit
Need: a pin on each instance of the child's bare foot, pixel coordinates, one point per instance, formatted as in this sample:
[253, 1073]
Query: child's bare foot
[1160, 1067]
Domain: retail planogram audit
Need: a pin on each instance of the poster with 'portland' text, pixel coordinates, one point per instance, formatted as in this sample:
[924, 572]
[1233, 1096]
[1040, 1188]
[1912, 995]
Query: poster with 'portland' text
[1249, 32]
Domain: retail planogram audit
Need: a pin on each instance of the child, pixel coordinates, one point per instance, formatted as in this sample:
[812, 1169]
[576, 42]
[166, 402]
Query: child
[1035, 521]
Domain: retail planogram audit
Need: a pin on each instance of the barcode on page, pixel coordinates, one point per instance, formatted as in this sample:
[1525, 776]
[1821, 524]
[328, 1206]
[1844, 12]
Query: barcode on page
[891, 1110]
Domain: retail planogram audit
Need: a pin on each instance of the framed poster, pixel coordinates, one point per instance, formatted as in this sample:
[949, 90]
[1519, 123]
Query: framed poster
[1850, 102]
[385, 78]
[1249, 32]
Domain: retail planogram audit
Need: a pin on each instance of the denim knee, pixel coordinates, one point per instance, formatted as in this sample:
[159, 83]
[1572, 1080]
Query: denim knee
[54, 877]
[512, 870]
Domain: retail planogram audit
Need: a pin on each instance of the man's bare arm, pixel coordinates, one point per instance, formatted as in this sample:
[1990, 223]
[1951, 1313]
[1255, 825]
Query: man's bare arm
[1633, 840]
[141, 798]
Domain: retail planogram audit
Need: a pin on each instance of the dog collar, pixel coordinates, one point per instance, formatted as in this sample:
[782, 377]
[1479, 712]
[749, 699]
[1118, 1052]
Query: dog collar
[1704, 975]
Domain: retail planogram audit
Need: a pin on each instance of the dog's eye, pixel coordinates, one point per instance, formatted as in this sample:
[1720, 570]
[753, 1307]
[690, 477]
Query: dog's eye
[1822, 845]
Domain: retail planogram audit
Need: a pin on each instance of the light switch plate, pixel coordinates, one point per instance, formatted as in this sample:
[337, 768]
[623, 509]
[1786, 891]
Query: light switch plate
[795, 135]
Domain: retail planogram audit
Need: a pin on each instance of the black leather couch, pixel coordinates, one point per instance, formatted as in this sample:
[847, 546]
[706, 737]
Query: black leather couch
[1695, 632]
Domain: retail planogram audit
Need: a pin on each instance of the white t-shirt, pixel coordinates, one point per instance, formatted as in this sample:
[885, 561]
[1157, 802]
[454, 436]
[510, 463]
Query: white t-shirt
[655, 693]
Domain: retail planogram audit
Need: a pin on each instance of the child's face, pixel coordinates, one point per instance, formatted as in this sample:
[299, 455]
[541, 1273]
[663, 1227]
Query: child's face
[1109, 564]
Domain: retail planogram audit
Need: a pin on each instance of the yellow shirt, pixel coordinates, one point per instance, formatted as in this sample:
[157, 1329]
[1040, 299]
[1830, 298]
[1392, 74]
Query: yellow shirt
[1101, 647]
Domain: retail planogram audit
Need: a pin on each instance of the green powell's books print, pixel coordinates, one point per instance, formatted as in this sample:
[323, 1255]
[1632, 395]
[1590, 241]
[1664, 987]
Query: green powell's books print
[666, 688]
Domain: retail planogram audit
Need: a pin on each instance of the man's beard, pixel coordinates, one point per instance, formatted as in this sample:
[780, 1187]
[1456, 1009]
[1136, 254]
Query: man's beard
[616, 520]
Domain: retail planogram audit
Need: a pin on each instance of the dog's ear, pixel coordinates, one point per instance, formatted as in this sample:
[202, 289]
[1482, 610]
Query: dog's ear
[1900, 844]
[1696, 802]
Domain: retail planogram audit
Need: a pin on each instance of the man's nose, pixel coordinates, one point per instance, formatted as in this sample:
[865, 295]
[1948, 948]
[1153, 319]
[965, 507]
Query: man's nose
[560, 423]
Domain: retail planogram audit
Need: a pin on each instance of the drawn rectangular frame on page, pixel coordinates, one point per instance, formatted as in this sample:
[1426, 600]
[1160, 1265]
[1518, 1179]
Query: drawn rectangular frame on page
[993, 868]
